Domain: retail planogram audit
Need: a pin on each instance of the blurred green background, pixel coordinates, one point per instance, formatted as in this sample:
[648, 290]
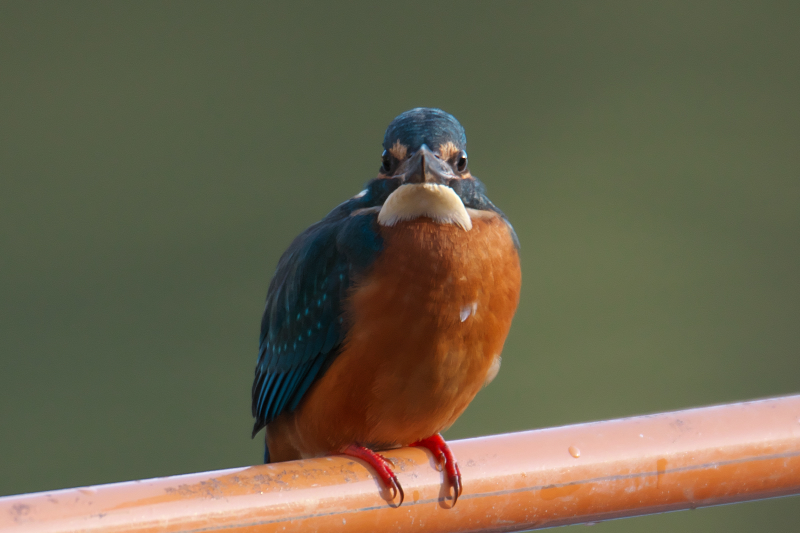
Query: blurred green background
[157, 158]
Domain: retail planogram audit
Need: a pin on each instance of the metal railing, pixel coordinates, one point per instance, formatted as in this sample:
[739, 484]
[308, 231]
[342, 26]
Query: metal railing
[543, 478]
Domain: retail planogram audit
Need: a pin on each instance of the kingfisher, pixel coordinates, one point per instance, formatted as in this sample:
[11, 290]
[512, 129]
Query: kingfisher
[384, 319]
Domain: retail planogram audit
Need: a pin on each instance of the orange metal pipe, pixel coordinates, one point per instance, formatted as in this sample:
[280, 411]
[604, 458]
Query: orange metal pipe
[543, 478]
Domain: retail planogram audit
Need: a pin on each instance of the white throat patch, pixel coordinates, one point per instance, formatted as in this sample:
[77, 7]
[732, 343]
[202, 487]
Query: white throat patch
[414, 200]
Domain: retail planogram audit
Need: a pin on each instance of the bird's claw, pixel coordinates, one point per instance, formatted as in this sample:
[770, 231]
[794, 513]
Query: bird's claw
[445, 461]
[397, 489]
[383, 469]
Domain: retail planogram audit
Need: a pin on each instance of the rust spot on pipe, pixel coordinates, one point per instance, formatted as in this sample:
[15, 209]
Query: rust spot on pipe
[551, 492]
[661, 467]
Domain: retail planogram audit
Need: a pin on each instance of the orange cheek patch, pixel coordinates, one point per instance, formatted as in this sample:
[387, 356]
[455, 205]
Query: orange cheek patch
[399, 150]
[448, 150]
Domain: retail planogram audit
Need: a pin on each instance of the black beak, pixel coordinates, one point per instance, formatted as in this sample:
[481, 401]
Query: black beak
[425, 167]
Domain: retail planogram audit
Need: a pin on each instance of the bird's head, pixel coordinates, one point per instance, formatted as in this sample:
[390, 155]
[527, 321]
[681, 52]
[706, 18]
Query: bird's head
[425, 146]
[425, 154]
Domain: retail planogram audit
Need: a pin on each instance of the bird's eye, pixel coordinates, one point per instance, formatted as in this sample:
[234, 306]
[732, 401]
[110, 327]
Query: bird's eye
[387, 162]
[461, 161]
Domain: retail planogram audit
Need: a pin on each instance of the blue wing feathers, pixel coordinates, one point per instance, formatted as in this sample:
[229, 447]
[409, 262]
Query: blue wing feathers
[289, 387]
[303, 323]
[269, 407]
[307, 382]
[331, 339]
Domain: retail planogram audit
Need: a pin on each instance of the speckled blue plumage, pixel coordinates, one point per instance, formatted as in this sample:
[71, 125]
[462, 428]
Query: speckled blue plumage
[303, 323]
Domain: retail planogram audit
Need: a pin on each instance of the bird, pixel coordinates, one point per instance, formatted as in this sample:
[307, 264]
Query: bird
[384, 319]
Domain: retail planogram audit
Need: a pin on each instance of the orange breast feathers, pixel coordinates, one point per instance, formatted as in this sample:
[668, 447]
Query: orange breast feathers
[427, 326]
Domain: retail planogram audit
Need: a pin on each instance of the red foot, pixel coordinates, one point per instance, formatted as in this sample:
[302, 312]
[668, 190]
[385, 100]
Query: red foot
[382, 467]
[441, 451]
